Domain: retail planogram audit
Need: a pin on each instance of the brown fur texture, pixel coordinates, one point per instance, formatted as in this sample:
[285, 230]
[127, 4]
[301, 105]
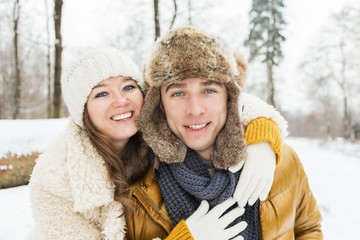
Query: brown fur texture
[183, 53]
[242, 67]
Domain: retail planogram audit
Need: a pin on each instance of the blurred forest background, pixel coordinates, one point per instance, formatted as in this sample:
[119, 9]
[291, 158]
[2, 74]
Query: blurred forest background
[308, 69]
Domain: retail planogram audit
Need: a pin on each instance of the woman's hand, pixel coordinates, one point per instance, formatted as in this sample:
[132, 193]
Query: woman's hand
[257, 176]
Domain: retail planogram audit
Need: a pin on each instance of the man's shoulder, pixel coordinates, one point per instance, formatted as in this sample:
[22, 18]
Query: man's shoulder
[290, 160]
[286, 172]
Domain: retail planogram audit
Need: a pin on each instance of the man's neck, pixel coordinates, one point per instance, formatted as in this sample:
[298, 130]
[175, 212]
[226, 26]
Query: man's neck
[205, 156]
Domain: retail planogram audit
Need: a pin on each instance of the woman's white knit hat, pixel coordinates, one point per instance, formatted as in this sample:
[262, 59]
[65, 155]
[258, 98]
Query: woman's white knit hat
[90, 68]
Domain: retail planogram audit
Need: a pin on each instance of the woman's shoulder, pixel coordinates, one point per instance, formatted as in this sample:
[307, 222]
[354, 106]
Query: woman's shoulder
[50, 167]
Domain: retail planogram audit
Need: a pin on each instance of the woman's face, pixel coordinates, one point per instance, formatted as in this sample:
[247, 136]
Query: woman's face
[113, 105]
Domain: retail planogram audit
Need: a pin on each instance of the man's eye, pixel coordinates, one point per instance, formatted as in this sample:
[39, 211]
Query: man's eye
[209, 91]
[128, 88]
[102, 94]
[177, 94]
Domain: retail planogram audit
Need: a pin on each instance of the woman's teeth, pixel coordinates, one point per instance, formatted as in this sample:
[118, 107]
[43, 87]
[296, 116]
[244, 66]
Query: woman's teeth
[122, 116]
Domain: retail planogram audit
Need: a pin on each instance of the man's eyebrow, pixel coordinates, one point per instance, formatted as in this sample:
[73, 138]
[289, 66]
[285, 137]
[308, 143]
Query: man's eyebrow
[209, 83]
[174, 85]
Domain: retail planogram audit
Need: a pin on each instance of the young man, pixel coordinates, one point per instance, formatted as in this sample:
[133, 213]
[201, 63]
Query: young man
[191, 122]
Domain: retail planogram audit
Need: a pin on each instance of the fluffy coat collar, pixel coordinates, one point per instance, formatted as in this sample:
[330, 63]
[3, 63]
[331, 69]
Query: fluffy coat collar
[88, 177]
[72, 171]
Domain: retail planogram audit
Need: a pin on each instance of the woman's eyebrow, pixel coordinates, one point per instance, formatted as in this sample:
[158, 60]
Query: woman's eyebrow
[99, 85]
[128, 79]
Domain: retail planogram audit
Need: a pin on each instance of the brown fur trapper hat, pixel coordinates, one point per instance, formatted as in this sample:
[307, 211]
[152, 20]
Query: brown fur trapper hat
[242, 67]
[182, 53]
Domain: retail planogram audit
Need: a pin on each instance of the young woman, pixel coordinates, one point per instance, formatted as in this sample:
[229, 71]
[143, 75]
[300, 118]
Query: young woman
[79, 186]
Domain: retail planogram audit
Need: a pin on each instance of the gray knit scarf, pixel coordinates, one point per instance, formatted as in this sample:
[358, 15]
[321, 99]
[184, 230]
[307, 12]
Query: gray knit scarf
[184, 185]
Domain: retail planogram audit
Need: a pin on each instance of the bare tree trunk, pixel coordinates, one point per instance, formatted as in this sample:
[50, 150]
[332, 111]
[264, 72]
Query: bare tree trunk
[346, 120]
[49, 95]
[269, 66]
[189, 9]
[326, 106]
[270, 83]
[16, 17]
[58, 54]
[342, 84]
[175, 14]
[156, 19]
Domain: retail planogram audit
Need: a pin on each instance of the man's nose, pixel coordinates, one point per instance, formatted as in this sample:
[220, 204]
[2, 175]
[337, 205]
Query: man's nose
[195, 106]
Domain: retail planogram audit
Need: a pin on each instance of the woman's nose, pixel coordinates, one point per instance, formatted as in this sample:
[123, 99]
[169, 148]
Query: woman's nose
[120, 100]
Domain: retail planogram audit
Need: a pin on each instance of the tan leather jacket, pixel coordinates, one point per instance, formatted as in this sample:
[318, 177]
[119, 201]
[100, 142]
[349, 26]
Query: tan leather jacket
[289, 212]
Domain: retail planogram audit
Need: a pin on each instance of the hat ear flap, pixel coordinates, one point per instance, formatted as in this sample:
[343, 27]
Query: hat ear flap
[230, 145]
[156, 132]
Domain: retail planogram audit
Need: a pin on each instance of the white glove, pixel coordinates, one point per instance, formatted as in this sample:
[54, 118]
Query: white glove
[205, 225]
[258, 174]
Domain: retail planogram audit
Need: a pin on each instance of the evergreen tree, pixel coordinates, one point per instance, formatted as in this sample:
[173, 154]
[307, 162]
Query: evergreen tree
[265, 38]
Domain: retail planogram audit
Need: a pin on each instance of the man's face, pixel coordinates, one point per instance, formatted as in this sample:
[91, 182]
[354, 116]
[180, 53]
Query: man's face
[196, 111]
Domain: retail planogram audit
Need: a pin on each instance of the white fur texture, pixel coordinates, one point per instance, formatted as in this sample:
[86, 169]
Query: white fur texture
[71, 194]
[254, 108]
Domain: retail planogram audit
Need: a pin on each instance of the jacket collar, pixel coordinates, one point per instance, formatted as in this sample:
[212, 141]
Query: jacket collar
[148, 195]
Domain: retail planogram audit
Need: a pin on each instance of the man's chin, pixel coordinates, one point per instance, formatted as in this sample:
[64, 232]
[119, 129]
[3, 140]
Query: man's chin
[198, 147]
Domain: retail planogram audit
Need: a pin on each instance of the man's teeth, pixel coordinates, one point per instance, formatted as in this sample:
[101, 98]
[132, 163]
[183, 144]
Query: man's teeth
[122, 116]
[197, 127]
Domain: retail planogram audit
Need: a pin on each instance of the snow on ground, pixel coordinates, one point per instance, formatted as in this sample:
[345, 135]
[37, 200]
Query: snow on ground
[15, 213]
[334, 179]
[25, 136]
[332, 168]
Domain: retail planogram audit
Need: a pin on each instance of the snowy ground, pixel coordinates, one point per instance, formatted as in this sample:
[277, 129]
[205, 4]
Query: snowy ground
[333, 171]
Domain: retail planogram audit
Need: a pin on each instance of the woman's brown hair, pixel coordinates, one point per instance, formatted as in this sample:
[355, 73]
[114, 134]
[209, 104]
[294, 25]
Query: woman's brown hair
[124, 167]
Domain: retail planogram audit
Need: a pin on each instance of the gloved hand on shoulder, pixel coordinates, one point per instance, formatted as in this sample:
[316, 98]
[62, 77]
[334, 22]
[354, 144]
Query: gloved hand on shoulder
[257, 176]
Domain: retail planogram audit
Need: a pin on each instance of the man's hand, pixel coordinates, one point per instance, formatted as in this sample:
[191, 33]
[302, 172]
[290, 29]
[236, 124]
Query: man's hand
[205, 225]
[258, 174]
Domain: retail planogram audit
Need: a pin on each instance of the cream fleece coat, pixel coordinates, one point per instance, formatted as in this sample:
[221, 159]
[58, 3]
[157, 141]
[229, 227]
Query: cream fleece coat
[254, 107]
[71, 194]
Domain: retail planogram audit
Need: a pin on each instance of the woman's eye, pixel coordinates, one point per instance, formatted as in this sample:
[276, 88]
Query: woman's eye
[128, 88]
[209, 91]
[102, 94]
